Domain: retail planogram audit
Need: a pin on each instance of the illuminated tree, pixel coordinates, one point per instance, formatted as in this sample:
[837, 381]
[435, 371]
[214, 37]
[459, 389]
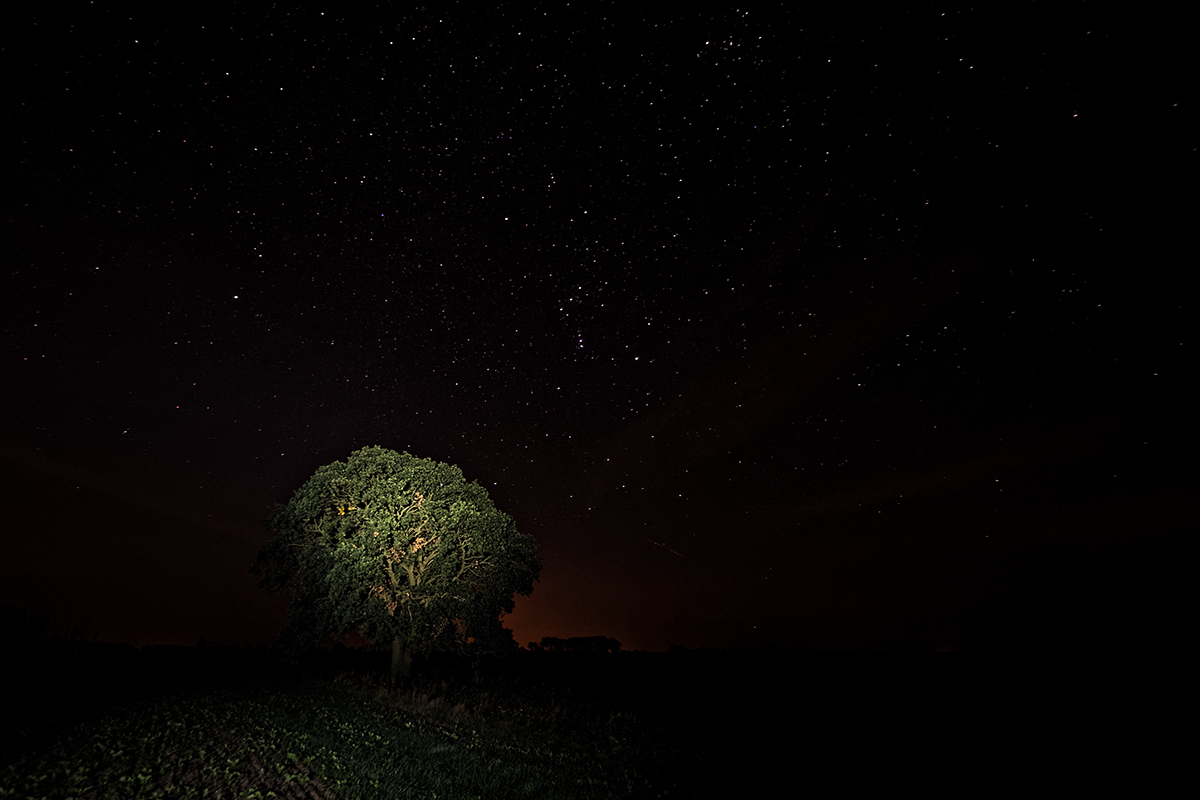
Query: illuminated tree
[403, 549]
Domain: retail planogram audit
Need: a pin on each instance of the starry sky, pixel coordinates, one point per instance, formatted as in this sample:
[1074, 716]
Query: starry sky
[771, 325]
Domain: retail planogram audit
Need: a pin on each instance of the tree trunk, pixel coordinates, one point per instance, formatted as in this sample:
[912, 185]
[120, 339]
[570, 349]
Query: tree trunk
[401, 660]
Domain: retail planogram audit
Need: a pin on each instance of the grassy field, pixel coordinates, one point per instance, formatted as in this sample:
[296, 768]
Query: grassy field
[347, 736]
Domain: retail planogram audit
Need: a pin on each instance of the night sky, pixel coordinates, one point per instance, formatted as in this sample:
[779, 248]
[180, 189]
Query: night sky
[769, 325]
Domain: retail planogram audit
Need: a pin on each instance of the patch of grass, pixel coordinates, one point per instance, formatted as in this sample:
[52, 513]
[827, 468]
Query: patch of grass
[352, 737]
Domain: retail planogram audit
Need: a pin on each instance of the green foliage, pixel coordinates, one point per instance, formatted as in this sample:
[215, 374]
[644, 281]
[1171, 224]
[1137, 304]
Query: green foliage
[305, 738]
[400, 548]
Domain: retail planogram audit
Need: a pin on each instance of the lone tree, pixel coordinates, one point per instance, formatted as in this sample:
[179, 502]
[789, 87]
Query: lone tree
[402, 548]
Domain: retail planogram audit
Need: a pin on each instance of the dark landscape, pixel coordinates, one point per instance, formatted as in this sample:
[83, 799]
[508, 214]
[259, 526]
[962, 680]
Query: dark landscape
[596, 400]
[102, 720]
[580, 718]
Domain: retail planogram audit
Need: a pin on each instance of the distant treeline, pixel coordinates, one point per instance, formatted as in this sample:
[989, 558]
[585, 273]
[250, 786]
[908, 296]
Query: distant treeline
[576, 644]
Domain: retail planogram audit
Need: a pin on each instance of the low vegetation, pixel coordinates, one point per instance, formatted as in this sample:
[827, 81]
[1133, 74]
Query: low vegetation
[351, 735]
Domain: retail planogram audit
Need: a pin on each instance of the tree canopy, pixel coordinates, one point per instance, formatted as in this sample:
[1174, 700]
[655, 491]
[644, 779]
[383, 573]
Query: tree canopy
[404, 549]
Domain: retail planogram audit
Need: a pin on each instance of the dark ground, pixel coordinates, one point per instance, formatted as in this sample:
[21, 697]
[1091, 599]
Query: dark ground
[858, 719]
